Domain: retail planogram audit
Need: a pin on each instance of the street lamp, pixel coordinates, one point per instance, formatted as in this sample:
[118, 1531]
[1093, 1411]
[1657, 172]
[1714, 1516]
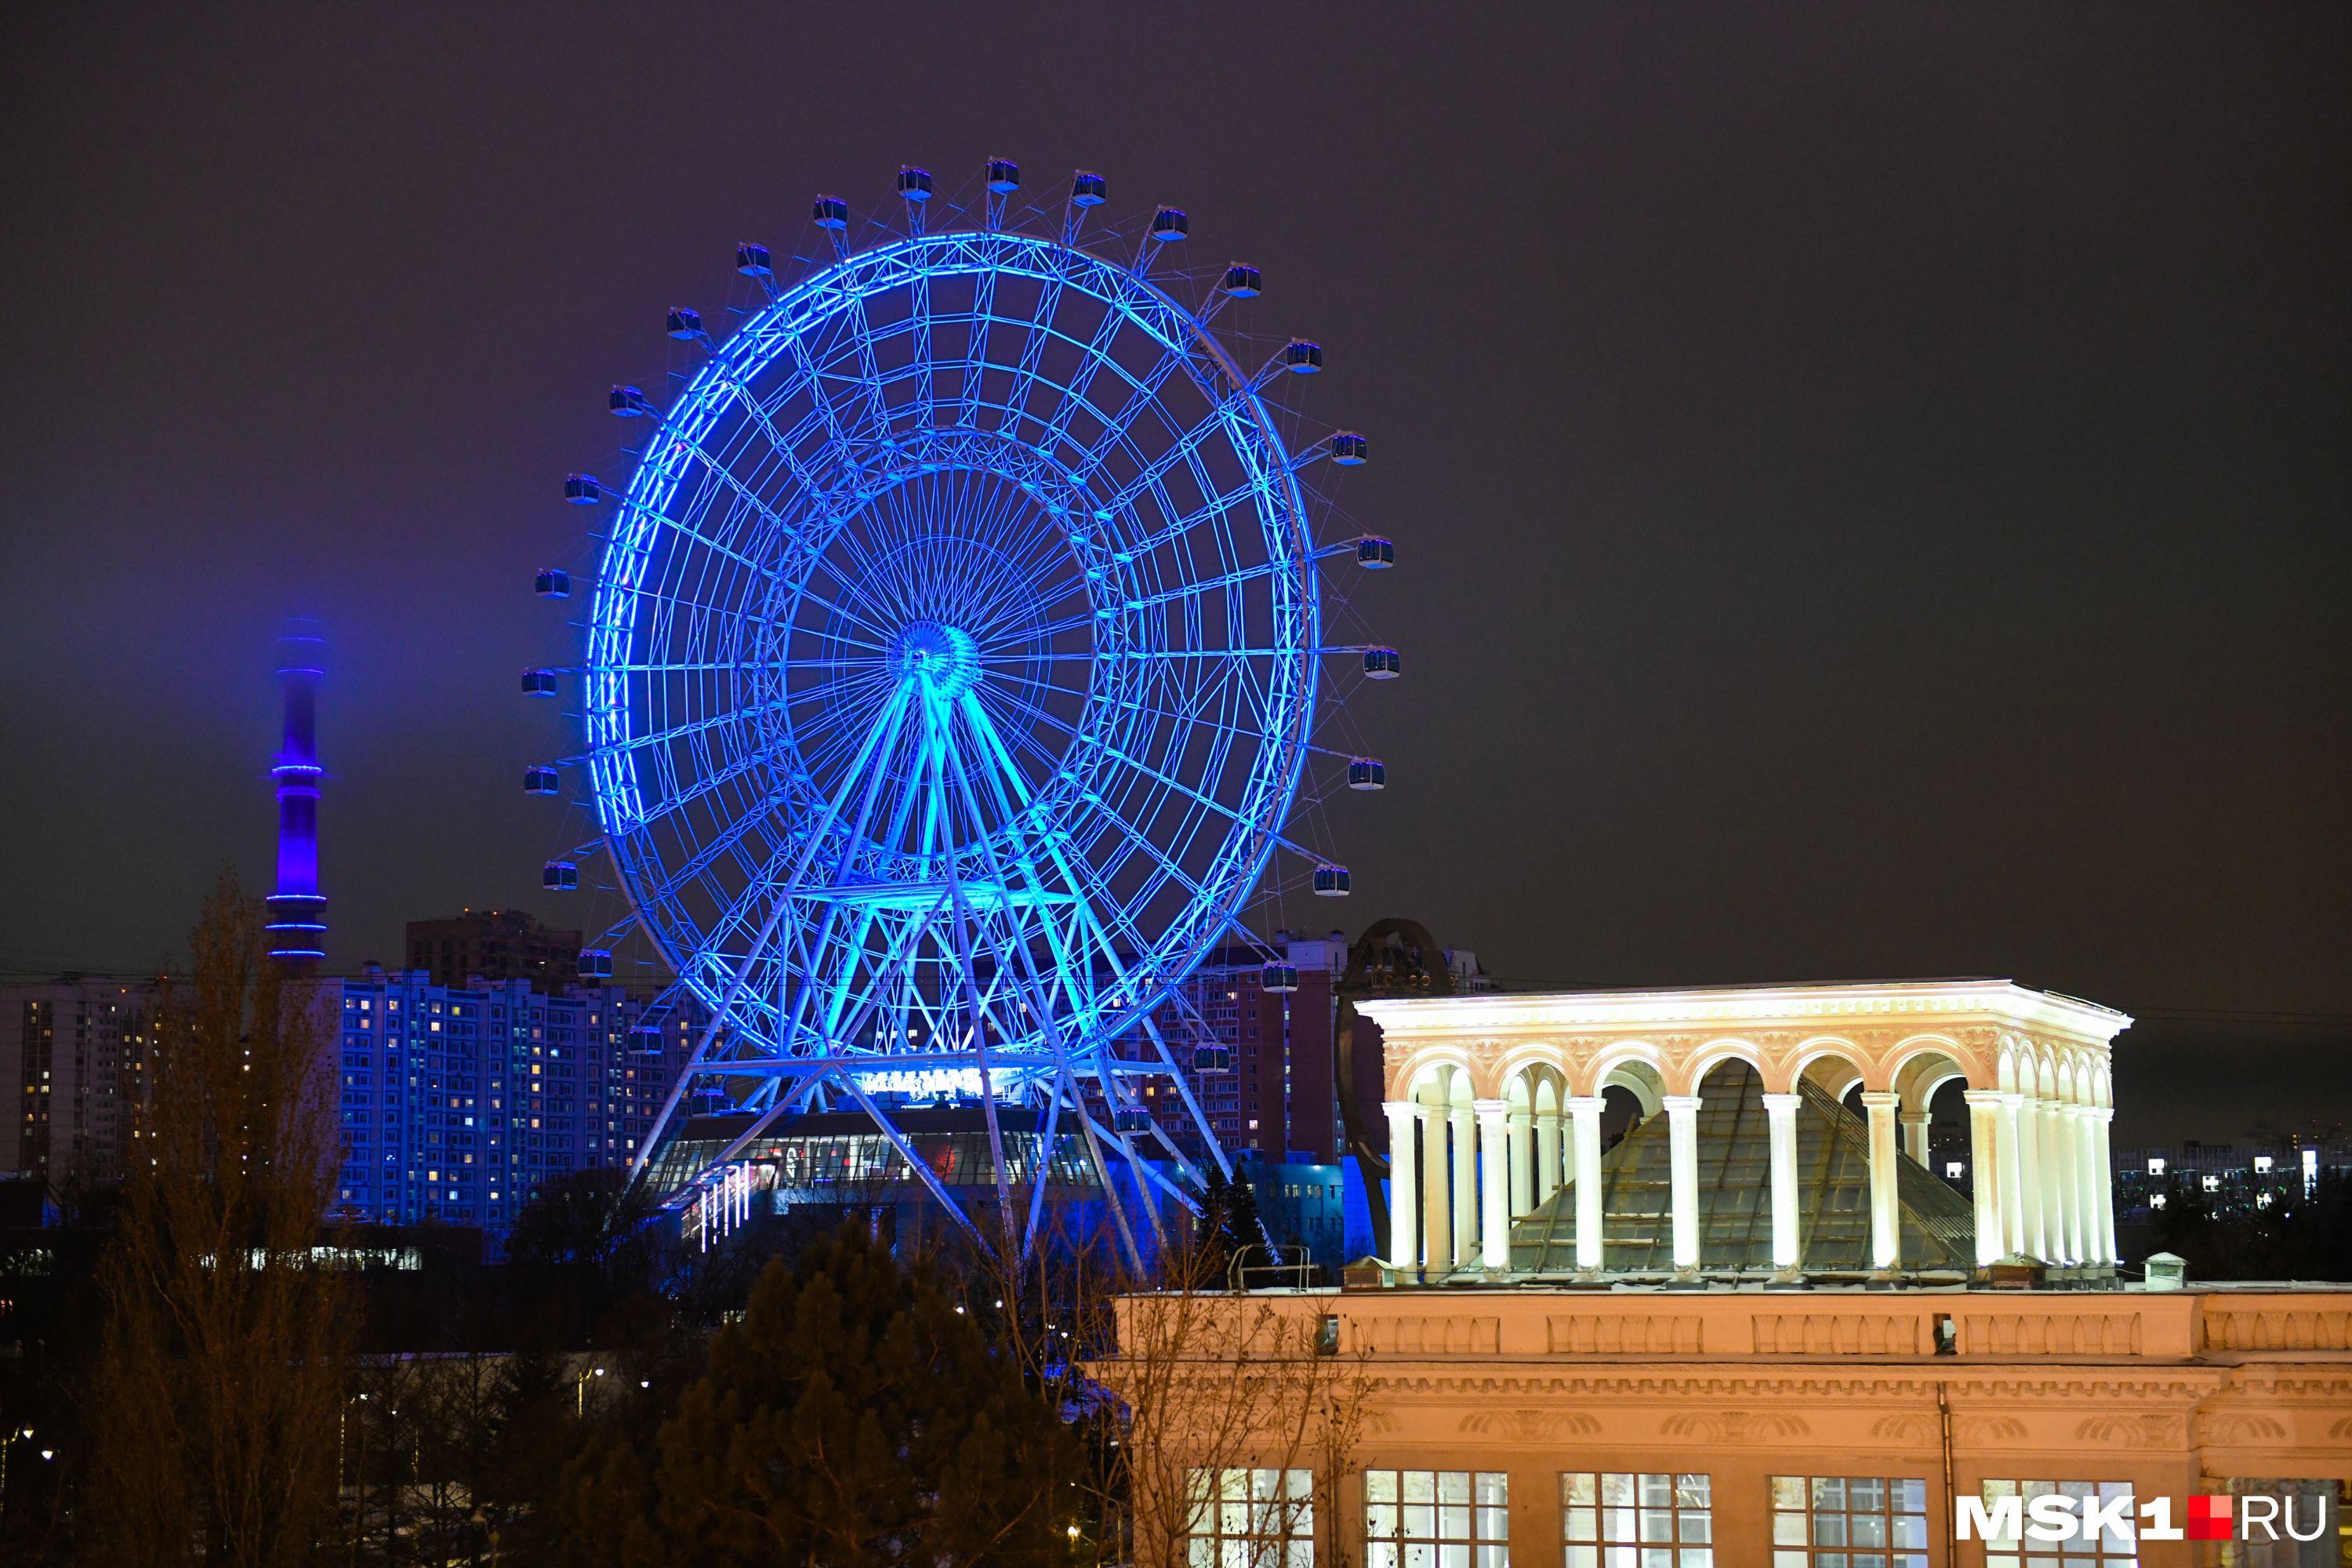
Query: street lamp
[580, 1388]
[6, 1439]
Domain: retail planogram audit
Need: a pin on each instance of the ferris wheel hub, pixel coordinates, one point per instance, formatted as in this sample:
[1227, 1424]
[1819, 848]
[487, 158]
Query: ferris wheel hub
[942, 657]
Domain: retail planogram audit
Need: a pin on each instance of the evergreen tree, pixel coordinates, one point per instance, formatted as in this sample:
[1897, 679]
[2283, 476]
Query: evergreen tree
[1229, 1223]
[855, 1418]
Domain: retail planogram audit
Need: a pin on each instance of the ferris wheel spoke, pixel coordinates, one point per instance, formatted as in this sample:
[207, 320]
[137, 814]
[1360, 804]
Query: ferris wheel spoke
[1026, 857]
[662, 737]
[803, 477]
[879, 736]
[1033, 352]
[1218, 505]
[921, 327]
[975, 362]
[718, 848]
[688, 531]
[1219, 418]
[1143, 395]
[1073, 394]
[1205, 585]
[1005, 767]
[723, 473]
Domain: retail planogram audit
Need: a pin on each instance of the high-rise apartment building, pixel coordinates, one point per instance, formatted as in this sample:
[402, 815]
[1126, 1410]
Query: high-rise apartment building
[1259, 1062]
[499, 945]
[72, 1056]
[458, 1100]
[455, 1102]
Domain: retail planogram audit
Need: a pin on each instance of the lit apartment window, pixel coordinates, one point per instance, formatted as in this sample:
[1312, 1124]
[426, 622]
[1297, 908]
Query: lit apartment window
[1607, 1517]
[2108, 1549]
[1848, 1521]
[1251, 1518]
[1437, 1518]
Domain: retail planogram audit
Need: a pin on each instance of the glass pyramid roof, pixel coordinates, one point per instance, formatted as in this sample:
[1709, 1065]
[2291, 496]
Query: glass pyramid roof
[1735, 1195]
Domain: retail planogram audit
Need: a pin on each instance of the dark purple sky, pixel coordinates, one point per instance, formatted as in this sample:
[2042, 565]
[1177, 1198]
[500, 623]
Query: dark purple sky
[1872, 482]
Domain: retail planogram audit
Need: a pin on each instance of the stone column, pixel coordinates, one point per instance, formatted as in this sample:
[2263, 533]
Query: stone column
[1437, 1206]
[1914, 1135]
[1523, 1162]
[1780, 1114]
[2103, 1175]
[1465, 1183]
[1404, 1130]
[1985, 1174]
[1885, 1214]
[2029, 1174]
[1548, 1166]
[1682, 1164]
[2012, 1177]
[2082, 1230]
[1584, 1115]
[1494, 1186]
[2053, 1182]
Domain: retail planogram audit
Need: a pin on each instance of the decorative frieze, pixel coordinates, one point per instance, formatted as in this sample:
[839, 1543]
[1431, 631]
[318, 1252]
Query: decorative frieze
[1626, 1333]
[2052, 1333]
[2242, 1328]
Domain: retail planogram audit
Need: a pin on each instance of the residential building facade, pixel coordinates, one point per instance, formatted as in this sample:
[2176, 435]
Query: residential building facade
[457, 1101]
[499, 945]
[73, 1057]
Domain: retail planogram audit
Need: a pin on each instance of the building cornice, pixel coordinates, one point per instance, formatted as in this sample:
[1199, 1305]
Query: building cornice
[1928, 1003]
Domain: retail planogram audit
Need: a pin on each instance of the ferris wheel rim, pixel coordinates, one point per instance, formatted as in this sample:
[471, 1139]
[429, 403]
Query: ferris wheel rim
[724, 370]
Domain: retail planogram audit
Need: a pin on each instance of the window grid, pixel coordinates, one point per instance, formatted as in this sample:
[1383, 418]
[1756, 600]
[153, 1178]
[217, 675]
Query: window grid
[1629, 1519]
[2111, 1549]
[1848, 1521]
[1250, 1519]
[1437, 1518]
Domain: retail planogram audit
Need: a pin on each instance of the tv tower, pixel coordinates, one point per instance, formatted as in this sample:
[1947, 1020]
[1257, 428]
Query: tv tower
[297, 911]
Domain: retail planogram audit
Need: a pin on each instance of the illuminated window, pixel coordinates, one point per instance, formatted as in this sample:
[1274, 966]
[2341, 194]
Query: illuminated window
[2110, 1548]
[2212, 1183]
[1848, 1521]
[2262, 1164]
[2156, 1167]
[1437, 1518]
[1612, 1519]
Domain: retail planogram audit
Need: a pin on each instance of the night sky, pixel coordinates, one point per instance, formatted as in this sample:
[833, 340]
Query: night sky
[1870, 483]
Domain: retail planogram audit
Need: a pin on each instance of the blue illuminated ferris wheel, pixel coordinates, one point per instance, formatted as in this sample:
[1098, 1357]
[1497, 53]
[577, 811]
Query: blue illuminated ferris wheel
[957, 671]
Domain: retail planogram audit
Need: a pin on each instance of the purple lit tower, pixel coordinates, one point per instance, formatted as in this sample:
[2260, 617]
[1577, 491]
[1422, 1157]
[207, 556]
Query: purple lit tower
[297, 911]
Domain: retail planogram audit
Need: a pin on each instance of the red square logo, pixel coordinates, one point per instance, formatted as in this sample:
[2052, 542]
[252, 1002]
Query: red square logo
[2209, 1519]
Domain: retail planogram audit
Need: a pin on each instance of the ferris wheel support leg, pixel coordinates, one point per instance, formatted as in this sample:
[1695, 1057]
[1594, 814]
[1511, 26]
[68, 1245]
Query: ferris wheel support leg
[888, 727]
[940, 741]
[1143, 1195]
[1038, 1188]
[1001, 771]
[1102, 1172]
[784, 1102]
[907, 1153]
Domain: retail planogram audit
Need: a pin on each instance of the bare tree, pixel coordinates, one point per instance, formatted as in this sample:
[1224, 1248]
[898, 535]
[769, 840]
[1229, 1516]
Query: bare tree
[1241, 1419]
[220, 1375]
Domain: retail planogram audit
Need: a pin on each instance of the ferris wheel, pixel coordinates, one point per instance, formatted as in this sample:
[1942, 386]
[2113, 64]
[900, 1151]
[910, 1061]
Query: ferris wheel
[957, 671]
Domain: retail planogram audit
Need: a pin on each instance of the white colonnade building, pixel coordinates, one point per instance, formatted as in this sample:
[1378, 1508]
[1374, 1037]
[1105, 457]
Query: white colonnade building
[1494, 1106]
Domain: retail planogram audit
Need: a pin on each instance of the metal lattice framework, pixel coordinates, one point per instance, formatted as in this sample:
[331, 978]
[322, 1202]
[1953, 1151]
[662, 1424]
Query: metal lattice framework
[952, 674]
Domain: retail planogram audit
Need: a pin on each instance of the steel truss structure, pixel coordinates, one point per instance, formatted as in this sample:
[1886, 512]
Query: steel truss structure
[952, 672]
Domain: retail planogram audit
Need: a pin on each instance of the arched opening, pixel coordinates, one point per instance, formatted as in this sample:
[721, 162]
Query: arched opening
[1732, 1194]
